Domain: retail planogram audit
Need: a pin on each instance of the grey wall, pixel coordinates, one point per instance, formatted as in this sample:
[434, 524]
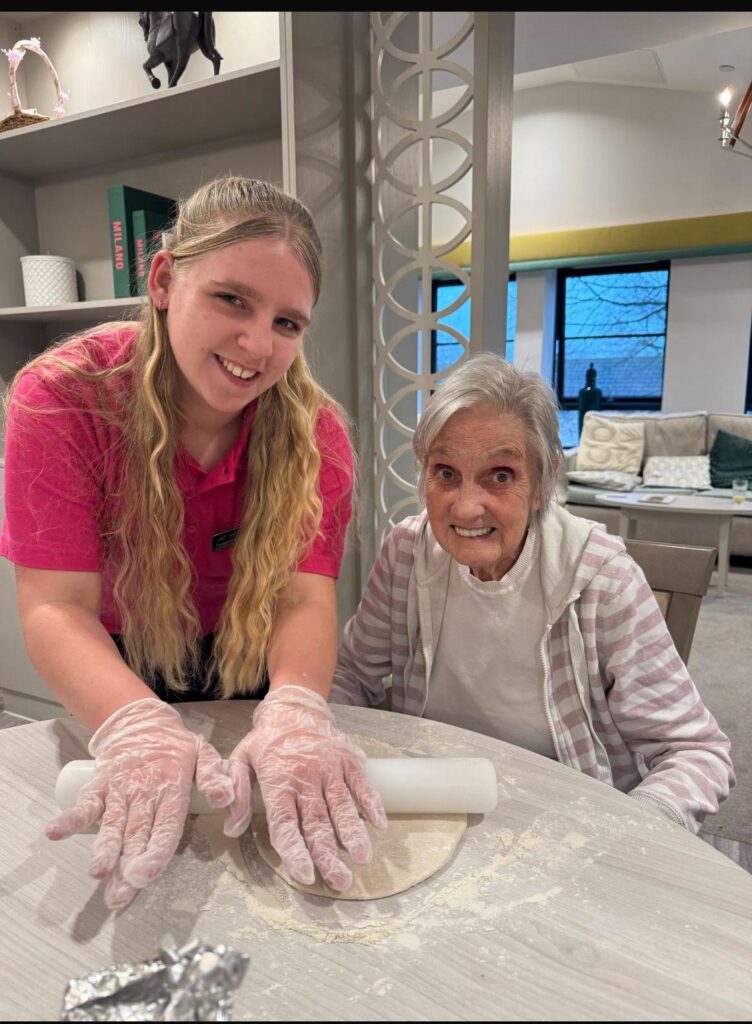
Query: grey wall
[331, 86]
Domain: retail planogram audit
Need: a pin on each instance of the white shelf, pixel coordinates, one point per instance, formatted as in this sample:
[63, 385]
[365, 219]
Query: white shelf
[237, 103]
[70, 312]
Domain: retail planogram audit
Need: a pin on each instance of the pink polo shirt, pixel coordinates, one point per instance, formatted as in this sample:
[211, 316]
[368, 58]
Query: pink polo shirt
[62, 470]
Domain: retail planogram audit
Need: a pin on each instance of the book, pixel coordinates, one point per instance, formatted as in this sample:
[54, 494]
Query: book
[148, 232]
[657, 499]
[122, 200]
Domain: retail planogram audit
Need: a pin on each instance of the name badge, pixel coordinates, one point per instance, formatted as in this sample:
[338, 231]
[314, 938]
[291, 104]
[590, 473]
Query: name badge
[224, 540]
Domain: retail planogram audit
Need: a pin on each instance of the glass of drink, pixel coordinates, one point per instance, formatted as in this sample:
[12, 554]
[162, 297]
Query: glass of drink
[739, 489]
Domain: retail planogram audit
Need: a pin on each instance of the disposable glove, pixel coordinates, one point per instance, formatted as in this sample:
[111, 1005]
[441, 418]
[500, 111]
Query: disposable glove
[312, 780]
[145, 761]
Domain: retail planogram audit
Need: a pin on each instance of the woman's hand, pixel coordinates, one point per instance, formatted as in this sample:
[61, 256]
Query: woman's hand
[312, 780]
[145, 762]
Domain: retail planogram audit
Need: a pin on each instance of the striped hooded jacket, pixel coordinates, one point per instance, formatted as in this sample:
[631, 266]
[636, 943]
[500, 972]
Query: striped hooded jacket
[620, 703]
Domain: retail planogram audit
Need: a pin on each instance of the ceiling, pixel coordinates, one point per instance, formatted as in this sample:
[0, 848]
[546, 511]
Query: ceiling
[700, 59]
[664, 50]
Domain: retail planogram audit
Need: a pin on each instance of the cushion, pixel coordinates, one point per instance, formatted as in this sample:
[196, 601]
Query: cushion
[677, 471]
[675, 434]
[667, 433]
[608, 443]
[731, 422]
[610, 479]
[730, 456]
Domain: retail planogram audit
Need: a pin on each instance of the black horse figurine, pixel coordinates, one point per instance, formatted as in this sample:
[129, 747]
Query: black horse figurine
[172, 36]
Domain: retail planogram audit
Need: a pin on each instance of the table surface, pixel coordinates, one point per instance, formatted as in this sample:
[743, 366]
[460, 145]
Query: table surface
[569, 901]
[682, 503]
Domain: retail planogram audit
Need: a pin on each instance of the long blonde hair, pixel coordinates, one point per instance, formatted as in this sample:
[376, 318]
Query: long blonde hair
[282, 511]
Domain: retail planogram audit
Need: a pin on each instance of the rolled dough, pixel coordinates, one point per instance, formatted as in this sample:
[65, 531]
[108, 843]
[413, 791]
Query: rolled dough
[409, 850]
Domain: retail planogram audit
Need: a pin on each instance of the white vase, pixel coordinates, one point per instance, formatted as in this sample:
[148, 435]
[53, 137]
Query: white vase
[49, 280]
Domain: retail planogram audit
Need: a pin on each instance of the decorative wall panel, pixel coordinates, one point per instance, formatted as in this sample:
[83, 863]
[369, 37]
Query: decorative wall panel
[426, 107]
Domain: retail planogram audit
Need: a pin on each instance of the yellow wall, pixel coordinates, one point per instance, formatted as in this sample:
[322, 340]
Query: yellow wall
[724, 233]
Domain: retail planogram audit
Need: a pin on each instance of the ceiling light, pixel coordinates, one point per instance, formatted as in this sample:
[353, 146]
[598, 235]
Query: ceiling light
[731, 127]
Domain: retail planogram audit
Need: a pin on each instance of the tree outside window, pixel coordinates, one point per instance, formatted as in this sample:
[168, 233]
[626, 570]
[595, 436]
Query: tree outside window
[614, 317]
[446, 350]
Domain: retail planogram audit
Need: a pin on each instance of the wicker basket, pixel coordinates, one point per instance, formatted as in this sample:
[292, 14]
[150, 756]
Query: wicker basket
[20, 120]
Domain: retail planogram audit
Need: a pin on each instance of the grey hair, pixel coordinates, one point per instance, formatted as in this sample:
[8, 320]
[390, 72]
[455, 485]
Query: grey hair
[488, 380]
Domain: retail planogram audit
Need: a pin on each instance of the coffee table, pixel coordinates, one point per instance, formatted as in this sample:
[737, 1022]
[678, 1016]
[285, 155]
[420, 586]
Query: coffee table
[717, 512]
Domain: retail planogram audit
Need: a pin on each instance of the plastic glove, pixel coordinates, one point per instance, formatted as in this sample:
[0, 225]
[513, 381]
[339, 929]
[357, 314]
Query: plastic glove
[312, 780]
[145, 760]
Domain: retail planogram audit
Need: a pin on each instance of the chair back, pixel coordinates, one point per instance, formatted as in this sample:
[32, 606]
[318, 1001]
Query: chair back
[678, 575]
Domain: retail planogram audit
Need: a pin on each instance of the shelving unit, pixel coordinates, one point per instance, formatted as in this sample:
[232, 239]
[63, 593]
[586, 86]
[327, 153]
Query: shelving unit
[239, 103]
[70, 312]
[54, 176]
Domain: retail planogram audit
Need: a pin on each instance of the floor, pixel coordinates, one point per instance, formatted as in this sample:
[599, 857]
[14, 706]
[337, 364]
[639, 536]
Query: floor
[740, 853]
[7, 720]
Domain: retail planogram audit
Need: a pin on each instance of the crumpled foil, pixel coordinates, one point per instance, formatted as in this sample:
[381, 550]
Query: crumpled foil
[192, 983]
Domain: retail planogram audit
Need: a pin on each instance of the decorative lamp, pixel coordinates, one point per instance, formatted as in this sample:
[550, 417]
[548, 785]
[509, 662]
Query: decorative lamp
[731, 127]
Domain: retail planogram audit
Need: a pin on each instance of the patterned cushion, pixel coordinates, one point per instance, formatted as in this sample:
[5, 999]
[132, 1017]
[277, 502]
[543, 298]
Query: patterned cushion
[611, 479]
[607, 443]
[668, 433]
[677, 471]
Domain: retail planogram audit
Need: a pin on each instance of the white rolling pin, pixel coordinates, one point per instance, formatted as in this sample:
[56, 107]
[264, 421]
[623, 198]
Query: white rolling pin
[408, 785]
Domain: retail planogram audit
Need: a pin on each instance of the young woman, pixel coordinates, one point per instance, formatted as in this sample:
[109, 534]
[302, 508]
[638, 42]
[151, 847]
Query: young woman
[177, 495]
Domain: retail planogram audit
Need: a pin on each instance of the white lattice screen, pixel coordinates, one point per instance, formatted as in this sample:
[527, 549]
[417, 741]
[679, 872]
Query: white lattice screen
[434, 88]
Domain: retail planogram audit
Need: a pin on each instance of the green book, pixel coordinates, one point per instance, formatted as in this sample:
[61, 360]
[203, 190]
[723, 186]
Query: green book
[122, 201]
[148, 229]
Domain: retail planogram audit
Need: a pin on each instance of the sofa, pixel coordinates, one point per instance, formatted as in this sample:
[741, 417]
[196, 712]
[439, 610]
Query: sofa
[680, 453]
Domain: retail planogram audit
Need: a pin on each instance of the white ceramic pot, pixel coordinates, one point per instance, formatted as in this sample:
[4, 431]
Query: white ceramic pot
[49, 280]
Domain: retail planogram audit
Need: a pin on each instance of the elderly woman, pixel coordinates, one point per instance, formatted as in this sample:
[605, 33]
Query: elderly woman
[530, 624]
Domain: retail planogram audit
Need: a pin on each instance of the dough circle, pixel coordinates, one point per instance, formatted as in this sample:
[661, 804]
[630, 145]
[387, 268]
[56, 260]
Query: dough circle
[407, 852]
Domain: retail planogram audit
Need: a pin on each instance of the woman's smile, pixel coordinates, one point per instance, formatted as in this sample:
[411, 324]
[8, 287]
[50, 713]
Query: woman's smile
[238, 374]
[479, 532]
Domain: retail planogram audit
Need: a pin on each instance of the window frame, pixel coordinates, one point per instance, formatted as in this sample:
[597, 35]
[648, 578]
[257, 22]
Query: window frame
[647, 403]
[442, 281]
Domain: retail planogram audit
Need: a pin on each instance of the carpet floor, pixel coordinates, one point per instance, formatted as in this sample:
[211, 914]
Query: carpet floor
[720, 664]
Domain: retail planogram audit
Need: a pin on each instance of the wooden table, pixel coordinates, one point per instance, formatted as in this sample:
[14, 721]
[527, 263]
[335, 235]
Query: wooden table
[717, 512]
[570, 901]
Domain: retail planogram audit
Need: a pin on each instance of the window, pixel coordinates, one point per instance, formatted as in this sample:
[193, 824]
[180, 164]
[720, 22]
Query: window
[445, 347]
[615, 318]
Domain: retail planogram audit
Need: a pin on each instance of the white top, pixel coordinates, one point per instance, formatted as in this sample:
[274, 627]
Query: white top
[495, 689]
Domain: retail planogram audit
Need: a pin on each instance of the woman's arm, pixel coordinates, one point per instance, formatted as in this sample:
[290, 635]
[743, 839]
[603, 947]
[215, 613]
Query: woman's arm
[303, 645]
[655, 704]
[312, 777]
[70, 648]
[366, 652]
[145, 758]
